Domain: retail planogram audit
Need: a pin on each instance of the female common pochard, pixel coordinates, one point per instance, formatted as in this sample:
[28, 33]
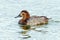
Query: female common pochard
[31, 20]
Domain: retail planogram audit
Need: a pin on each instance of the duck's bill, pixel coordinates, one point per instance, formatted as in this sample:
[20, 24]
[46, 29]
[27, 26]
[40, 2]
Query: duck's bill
[17, 16]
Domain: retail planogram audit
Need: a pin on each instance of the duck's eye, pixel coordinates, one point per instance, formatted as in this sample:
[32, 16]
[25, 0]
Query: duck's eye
[22, 14]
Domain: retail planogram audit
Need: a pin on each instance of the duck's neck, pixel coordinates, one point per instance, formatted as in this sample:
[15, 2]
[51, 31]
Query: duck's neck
[26, 17]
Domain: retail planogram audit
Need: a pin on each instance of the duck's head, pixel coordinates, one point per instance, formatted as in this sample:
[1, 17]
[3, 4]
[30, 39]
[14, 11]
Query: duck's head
[24, 14]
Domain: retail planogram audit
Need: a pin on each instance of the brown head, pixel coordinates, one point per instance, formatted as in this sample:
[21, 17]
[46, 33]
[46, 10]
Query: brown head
[25, 14]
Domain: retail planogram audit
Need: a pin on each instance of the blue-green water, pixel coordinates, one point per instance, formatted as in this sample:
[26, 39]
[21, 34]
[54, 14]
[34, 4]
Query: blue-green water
[9, 28]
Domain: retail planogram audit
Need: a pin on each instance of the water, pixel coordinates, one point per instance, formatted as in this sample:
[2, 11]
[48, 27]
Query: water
[10, 30]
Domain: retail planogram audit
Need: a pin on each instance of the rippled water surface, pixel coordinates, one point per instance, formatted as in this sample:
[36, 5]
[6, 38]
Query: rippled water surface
[10, 30]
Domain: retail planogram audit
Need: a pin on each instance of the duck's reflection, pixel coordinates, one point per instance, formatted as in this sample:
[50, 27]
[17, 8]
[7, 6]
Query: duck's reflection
[28, 28]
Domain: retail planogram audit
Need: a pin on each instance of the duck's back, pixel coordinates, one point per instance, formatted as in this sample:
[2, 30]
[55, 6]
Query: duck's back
[35, 20]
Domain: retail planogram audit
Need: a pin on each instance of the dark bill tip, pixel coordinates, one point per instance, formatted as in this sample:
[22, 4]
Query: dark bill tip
[16, 17]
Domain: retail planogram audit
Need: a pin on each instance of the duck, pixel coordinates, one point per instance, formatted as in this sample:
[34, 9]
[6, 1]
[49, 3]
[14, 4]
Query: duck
[31, 20]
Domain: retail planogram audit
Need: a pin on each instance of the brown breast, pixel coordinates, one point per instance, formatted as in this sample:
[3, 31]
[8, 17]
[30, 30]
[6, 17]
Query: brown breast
[23, 22]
